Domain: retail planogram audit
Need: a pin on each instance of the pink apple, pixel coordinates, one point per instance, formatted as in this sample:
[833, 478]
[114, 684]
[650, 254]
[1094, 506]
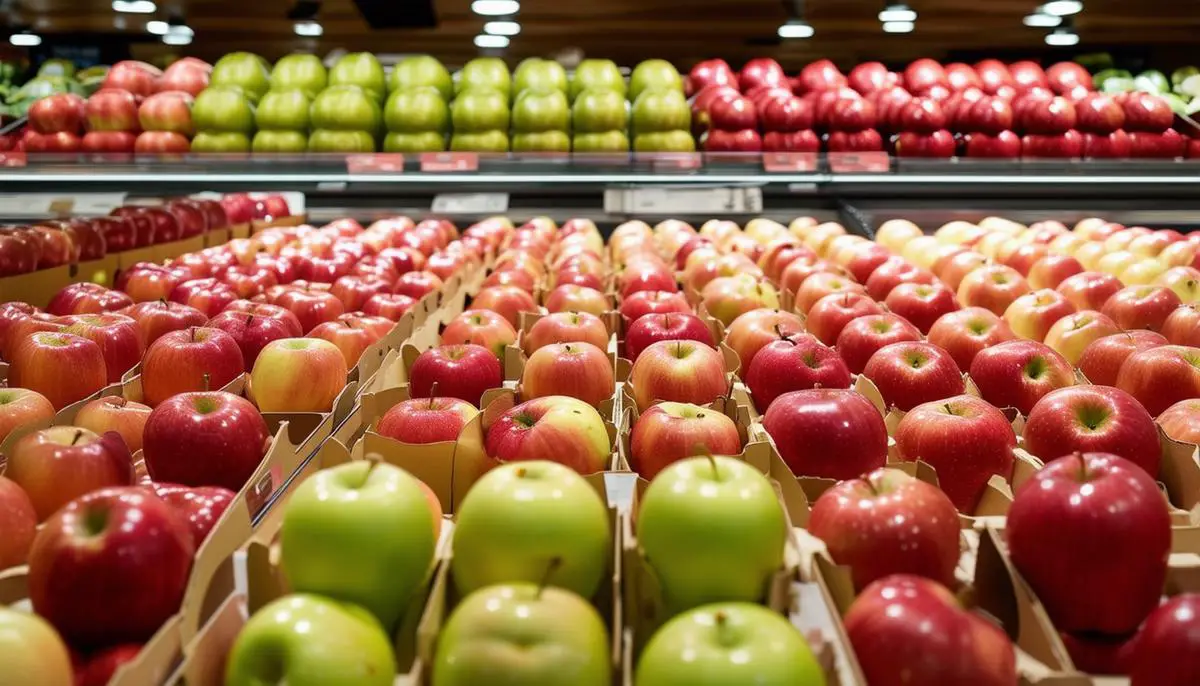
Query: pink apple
[1102, 359]
[678, 371]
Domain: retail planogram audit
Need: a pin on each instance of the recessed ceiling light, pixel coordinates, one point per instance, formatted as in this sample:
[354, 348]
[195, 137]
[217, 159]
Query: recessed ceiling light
[308, 29]
[897, 12]
[495, 8]
[1041, 20]
[134, 6]
[502, 28]
[1062, 38]
[486, 41]
[158, 28]
[796, 28]
[898, 26]
[1062, 8]
[25, 40]
[177, 39]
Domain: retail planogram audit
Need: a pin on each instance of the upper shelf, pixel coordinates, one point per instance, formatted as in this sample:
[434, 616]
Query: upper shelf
[850, 175]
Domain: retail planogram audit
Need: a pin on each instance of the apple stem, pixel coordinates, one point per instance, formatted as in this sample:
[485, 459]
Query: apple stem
[249, 318]
[1083, 469]
[870, 485]
[555, 563]
[667, 320]
[207, 381]
[78, 435]
[373, 461]
[779, 331]
[432, 393]
[122, 401]
[192, 333]
[702, 450]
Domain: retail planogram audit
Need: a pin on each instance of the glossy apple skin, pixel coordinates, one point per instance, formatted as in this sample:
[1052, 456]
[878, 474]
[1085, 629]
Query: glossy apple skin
[1089, 290]
[1167, 650]
[921, 304]
[251, 332]
[1181, 421]
[507, 301]
[204, 439]
[210, 296]
[566, 327]
[569, 297]
[1064, 524]
[1092, 419]
[426, 420]
[887, 522]
[1141, 307]
[909, 374]
[863, 336]
[195, 359]
[827, 433]
[117, 336]
[140, 553]
[1161, 376]
[1018, 373]
[459, 371]
[1182, 327]
[390, 305]
[100, 667]
[669, 432]
[993, 287]
[1103, 358]
[578, 370]
[747, 334]
[910, 630]
[312, 307]
[19, 522]
[351, 338]
[647, 302]
[20, 406]
[795, 363]
[62, 367]
[963, 334]
[829, 315]
[298, 375]
[668, 326]
[201, 507]
[555, 428]
[115, 413]
[964, 439]
[678, 371]
[154, 319]
[480, 327]
[33, 652]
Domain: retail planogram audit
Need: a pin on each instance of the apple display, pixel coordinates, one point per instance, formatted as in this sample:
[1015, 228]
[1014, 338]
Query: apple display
[298, 375]
[1092, 419]
[554, 428]
[204, 439]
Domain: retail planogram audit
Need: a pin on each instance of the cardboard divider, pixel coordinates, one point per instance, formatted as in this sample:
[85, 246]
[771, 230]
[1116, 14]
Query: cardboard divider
[130, 389]
[102, 271]
[35, 288]
[217, 237]
[239, 230]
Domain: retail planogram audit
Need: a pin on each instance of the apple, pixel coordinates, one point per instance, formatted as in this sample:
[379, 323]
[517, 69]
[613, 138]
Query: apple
[734, 642]
[747, 334]
[827, 433]
[298, 375]
[694, 566]
[563, 621]
[862, 336]
[19, 519]
[1089, 290]
[669, 432]
[194, 359]
[110, 109]
[887, 522]
[64, 368]
[1182, 327]
[115, 413]
[888, 625]
[908, 374]
[154, 319]
[1181, 421]
[1141, 307]
[1092, 419]
[200, 507]
[679, 371]
[670, 326]
[421, 420]
[21, 406]
[350, 336]
[210, 295]
[793, 363]
[832, 313]
[480, 327]
[272, 643]
[579, 370]
[1165, 648]
[1052, 270]
[725, 298]
[573, 298]
[993, 287]
[11, 314]
[921, 304]
[1161, 376]
[208, 438]
[87, 298]
[59, 112]
[33, 652]
[389, 305]
[117, 336]
[1069, 505]
[555, 428]
[1032, 315]
[1072, 334]
[1103, 358]
[457, 371]
[252, 332]
[507, 301]
[951, 269]
[566, 327]
[312, 306]
[146, 281]
[648, 302]
[895, 271]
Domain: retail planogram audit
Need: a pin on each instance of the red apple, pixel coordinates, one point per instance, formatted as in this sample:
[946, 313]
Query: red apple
[951, 269]
[19, 522]
[829, 315]
[669, 432]
[154, 319]
[194, 359]
[1089, 290]
[912, 373]
[1164, 652]
[56, 465]
[1161, 376]
[12, 314]
[290, 322]
[58, 112]
[389, 305]
[481, 327]
[1102, 359]
[117, 336]
[964, 333]
[1182, 327]
[1091, 504]
[827, 432]
[21, 406]
[147, 281]
[1051, 270]
[747, 334]
[921, 304]
[565, 327]
[201, 507]
[892, 273]
[1146, 112]
[795, 274]
[794, 363]
[457, 371]
[678, 371]
[62, 367]
[993, 287]
[558, 429]
[110, 109]
[87, 298]
[115, 413]
[863, 336]
[208, 438]
[652, 302]
[578, 370]
[313, 307]
[1141, 307]
[350, 336]
[422, 420]
[1092, 419]
[507, 301]
[210, 296]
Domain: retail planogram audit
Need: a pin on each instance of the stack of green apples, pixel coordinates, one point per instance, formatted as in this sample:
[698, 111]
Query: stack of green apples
[541, 115]
[417, 113]
[599, 110]
[348, 115]
[661, 116]
[282, 114]
[223, 113]
[480, 112]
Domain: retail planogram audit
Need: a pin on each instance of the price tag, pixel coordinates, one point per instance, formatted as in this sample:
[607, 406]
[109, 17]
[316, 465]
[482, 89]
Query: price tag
[12, 158]
[33, 205]
[449, 161]
[675, 160]
[98, 203]
[800, 162]
[470, 203]
[387, 162]
[687, 200]
[859, 162]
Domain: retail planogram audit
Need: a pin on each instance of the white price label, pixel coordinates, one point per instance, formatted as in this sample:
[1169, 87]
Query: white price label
[470, 203]
[97, 203]
[27, 205]
[687, 200]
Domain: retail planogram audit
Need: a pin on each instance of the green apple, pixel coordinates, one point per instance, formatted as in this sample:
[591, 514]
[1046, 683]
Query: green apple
[360, 69]
[346, 108]
[480, 141]
[536, 73]
[419, 71]
[523, 635]
[302, 71]
[283, 110]
[541, 110]
[607, 141]
[32, 652]
[485, 72]
[361, 532]
[665, 141]
[713, 531]
[221, 141]
[542, 141]
[521, 516]
[307, 640]
[223, 108]
[279, 141]
[728, 643]
[327, 140]
[416, 110]
[592, 74]
[428, 141]
[480, 109]
[654, 74]
[244, 70]
[661, 109]
[595, 111]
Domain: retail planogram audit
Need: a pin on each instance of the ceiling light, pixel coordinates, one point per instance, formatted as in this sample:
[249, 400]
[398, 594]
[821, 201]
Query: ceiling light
[1062, 8]
[25, 40]
[486, 41]
[796, 28]
[1041, 20]
[898, 26]
[495, 8]
[134, 6]
[897, 12]
[178, 38]
[502, 28]
[1062, 38]
[308, 29]
[158, 28]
